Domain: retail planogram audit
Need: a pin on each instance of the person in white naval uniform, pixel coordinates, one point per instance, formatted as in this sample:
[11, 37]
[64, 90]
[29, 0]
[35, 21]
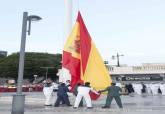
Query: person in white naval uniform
[162, 88]
[48, 91]
[154, 88]
[83, 92]
[64, 75]
[138, 88]
[148, 88]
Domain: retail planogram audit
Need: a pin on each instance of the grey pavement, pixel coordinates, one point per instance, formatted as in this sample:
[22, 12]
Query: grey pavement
[34, 104]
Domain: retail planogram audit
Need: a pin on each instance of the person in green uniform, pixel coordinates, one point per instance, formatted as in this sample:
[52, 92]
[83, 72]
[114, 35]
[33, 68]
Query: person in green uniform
[113, 92]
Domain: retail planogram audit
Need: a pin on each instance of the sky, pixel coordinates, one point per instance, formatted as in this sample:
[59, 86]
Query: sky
[134, 28]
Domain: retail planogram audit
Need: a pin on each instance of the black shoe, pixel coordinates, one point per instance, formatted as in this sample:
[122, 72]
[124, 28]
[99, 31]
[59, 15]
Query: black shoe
[69, 105]
[106, 107]
[47, 105]
[89, 107]
[56, 105]
[74, 107]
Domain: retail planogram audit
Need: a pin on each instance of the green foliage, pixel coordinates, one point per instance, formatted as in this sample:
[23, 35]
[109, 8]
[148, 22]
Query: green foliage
[32, 66]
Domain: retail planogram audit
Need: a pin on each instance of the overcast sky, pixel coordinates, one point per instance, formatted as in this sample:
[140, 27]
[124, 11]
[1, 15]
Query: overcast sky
[135, 28]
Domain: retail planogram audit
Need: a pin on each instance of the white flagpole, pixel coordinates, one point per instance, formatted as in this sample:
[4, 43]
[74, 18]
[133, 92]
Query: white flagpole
[68, 17]
[64, 75]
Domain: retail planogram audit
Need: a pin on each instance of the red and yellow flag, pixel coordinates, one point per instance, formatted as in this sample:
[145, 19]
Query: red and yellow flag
[82, 59]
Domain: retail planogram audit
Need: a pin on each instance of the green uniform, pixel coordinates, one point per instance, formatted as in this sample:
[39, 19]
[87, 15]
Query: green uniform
[113, 92]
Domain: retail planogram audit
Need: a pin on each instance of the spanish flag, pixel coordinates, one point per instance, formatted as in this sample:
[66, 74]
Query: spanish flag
[82, 59]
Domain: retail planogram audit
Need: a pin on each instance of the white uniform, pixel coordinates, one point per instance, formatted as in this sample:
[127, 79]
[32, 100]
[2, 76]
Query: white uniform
[83, 92]
[154, 88]
[64, 75]
[48, 95]
[138, 88]
[148, 87]
[162, 88]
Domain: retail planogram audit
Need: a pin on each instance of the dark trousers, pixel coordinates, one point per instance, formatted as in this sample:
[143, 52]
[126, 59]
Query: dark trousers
[81, 102]
[117, 99]
[62, 98]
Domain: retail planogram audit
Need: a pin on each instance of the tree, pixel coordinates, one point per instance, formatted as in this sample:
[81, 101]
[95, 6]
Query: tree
[33, 64]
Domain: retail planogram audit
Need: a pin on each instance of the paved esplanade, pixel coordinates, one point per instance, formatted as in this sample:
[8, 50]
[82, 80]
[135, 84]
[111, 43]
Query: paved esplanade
[34, 104]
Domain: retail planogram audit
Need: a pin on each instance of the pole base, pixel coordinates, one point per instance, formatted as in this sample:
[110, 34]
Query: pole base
[18, 104]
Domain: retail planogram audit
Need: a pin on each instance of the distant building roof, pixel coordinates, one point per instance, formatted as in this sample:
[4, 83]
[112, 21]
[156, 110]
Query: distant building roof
[4, 53]
[147, 68]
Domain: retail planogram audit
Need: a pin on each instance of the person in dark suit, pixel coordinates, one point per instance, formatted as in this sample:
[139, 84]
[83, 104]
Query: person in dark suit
[143, 88]
[130, 88]
[62, 95]
[113, 92]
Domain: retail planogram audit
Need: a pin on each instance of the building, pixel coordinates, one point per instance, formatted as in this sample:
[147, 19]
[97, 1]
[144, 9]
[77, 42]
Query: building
[3, 53]
[147, 72]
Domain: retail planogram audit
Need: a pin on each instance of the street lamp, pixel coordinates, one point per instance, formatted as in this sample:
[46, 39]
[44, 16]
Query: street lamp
[19, 98]
[47, 69]
[117, 56]
[30, 19]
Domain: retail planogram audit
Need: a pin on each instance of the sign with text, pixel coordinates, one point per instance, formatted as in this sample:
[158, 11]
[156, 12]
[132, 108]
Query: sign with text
[139, 77]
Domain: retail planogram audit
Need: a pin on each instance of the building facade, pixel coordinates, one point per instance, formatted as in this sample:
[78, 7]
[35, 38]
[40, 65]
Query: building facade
[147, 72]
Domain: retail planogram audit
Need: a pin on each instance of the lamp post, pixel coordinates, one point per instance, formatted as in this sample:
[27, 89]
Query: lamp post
[19, 98]
[47, 69]
[117, 56]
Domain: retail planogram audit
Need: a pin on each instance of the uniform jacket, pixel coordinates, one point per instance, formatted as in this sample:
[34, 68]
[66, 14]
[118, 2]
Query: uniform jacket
[113, 90]
[84, 90]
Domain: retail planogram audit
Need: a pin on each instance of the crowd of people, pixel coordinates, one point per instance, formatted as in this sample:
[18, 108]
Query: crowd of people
[82, 93]
[143, 88]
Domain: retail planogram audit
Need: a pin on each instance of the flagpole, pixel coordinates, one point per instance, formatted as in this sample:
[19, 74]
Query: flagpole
[68, 17]
[67, 23]
[67, 20]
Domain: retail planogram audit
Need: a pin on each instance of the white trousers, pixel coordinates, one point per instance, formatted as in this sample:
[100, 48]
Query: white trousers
[48, 95]
[87, 100]
[138, 91]
[163, 91]
[154, 91]
[149, 91]
[48, 99]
